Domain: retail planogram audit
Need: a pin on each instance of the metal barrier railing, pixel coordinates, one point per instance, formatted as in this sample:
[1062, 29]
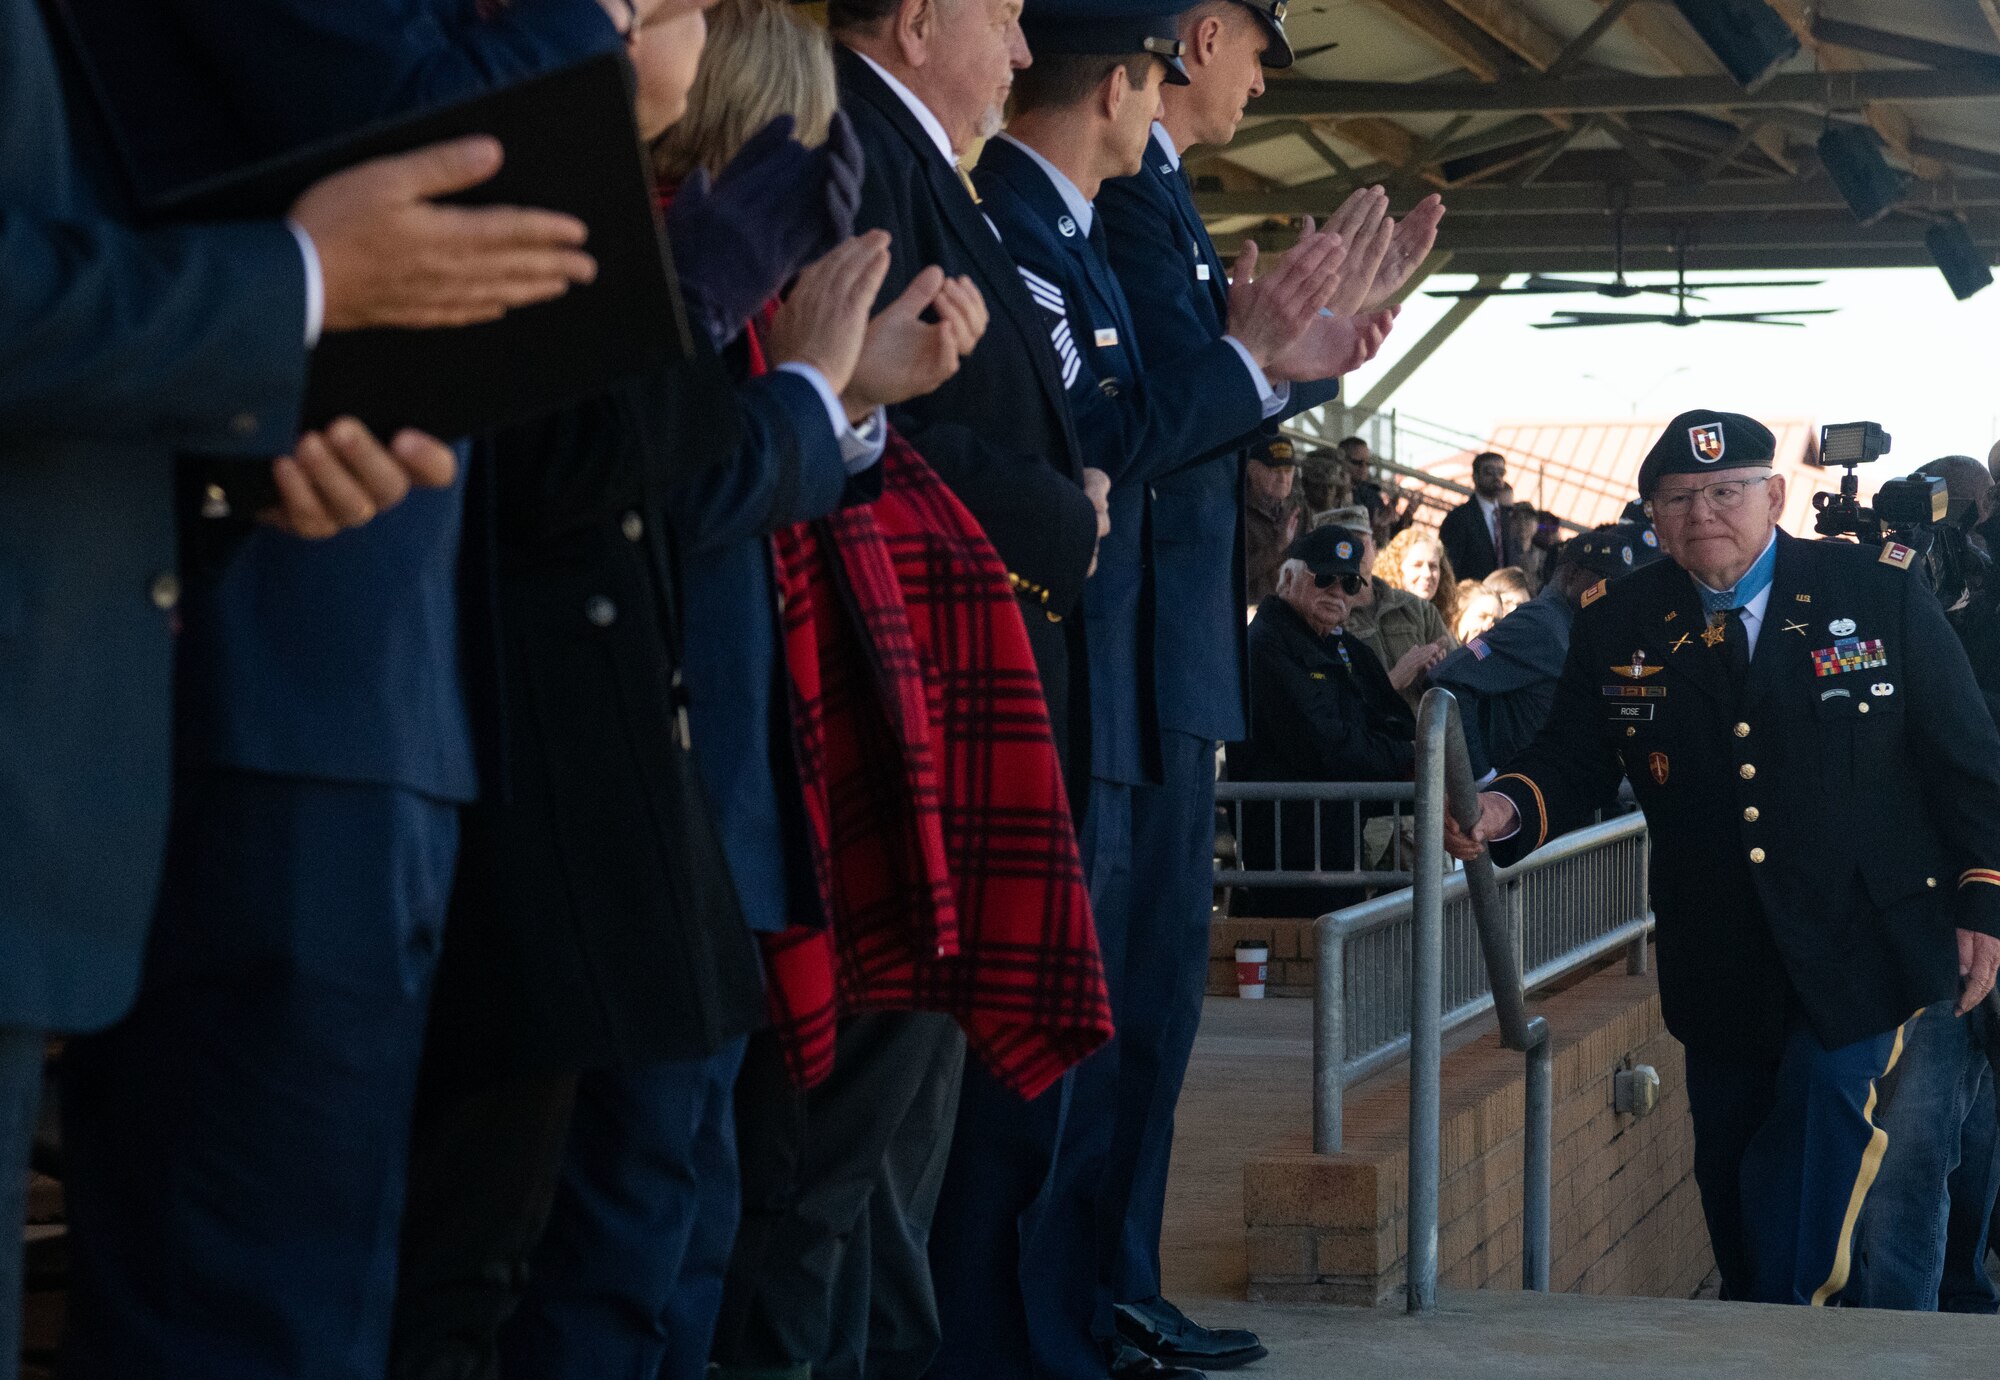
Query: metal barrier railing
[1472, 941]
[1288, 799]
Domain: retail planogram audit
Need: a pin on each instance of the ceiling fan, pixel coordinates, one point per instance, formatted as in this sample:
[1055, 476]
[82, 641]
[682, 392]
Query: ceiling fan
[1538, 285]
[1681, 316]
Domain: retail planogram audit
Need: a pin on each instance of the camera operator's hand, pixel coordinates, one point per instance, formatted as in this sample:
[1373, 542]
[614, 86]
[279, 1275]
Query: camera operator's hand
[1978, 961]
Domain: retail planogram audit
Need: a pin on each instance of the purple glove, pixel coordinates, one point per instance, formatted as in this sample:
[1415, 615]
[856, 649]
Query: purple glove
[777, 207]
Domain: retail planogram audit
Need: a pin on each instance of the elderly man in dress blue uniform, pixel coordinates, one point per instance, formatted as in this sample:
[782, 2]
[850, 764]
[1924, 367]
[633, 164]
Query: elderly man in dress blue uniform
[1822, 785]
[1178, 292]
[1080, 114]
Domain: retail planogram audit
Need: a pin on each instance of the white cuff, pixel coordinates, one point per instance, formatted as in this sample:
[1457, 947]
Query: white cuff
[1271, 399]
[860, 447]
[315, 283]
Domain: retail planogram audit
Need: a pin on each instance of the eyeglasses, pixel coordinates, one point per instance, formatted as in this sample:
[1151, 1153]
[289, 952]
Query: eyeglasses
[1724, 497]
[1349, 584]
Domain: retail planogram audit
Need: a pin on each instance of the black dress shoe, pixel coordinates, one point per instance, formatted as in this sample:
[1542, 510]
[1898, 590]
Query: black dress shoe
[1130, 1363]
[1162, 1331]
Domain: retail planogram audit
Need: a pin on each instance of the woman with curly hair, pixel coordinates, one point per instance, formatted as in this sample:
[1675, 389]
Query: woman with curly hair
[1414, 560]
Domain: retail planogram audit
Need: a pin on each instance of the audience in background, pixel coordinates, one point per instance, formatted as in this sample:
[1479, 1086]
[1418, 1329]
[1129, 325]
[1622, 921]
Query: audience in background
[1479, 608]
[1273, 514]
[1512, 586]
[1407, 634]
[1414, 560]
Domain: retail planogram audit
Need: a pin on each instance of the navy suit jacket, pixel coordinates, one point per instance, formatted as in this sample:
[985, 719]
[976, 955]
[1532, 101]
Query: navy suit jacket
[1137, 424]
[999, 431]
[1179, 294]
[334, 660]
[787, 470]
[115, 348]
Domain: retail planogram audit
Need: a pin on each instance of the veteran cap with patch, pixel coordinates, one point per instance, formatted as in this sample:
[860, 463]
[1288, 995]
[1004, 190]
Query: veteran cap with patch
[1702, 441]
[1276, 452]
[1328, 551]
[1109, 27]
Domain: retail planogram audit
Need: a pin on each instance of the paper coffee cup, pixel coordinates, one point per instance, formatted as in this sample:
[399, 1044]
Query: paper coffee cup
[1253, 966]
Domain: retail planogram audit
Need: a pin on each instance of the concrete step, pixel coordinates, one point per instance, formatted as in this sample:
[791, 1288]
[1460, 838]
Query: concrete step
[1515, 1336]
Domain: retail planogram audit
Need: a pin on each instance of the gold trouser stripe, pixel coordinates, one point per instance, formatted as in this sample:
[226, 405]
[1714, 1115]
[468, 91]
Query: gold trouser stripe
[1864, 1179]
[1541, 806]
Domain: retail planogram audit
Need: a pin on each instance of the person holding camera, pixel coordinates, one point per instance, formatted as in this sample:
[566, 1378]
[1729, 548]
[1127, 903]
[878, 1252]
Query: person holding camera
[1825, 829]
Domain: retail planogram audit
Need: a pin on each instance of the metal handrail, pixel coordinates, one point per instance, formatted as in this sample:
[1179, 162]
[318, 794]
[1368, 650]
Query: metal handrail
[1233, 795]
[1444, 781]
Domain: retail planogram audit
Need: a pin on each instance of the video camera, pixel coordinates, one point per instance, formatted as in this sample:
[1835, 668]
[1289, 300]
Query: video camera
[1910, 511]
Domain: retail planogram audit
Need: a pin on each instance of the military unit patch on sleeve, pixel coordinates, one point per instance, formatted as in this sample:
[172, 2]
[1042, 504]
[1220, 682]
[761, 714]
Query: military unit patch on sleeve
[1595, 592]
[1898, 555]
[1480, 651]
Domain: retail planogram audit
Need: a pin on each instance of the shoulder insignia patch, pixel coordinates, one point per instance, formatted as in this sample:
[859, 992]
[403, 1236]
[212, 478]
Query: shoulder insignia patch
[1480, 651]
[1898, 555]
[1595, 592]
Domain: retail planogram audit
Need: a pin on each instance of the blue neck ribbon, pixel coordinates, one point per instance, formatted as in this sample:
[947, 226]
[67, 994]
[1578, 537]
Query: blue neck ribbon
[1755, 581]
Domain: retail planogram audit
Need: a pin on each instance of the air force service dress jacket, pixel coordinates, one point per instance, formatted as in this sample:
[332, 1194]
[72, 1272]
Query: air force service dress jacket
[1137, 423]
[1178, 291]
[998, 432]
[1823, 831]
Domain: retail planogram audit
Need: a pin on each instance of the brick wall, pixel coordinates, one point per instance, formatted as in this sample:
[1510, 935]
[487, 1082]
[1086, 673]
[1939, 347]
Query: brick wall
[1626, 1218]
[1291, 941]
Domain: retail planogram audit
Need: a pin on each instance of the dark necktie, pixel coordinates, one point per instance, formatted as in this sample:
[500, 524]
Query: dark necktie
[1736, 647]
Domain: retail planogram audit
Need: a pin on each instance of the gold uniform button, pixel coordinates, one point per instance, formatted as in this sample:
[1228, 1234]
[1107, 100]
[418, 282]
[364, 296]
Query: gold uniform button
[633, 526]
[164, 591]
[1743, 730]
[1861, 708]
[1751, 814]
[1756, 855]
[1930, 882]
[1747, 772]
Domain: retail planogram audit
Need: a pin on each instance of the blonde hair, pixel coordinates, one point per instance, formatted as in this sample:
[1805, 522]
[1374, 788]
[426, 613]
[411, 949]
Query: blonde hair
[761, 62]
[1389, 567]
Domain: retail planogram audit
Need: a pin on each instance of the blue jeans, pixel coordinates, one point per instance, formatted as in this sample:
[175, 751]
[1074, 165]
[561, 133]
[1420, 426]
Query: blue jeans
[20, 1095]
[1974, 1185]
[1924, 1107]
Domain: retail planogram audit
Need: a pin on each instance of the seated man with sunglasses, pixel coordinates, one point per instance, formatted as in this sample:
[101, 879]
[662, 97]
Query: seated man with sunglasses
[1321, 709]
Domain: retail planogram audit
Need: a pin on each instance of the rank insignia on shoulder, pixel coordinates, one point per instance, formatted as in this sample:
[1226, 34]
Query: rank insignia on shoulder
[1898, 555]
[1595, 592]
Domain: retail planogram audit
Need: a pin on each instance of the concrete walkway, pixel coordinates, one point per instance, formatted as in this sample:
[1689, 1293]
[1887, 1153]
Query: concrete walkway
[1249, 1090]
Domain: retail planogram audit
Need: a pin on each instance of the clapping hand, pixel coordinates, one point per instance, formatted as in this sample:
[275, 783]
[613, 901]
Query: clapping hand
[1268, 315]
[824, 321]
[1097, 488]
[1414, 238]
[905, 356]
[342, 477]
[1333, 345]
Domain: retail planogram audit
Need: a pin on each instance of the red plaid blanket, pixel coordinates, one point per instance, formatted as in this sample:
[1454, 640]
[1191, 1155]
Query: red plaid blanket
[943, 844]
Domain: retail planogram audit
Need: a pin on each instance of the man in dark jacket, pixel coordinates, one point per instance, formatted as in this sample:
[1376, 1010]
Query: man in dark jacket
[1321, 709]
[1475, 533]
[1505, 678]
[1821, 782]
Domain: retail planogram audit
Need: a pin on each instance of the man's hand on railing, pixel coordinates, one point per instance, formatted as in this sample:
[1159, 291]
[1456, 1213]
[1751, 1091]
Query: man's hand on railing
[1498, 819]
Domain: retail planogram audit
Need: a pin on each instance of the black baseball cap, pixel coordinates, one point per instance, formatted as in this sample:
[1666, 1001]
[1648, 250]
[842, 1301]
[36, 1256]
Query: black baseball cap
[1328, 552]
[1608, 551]
[1276, 452]
[1702, 441]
